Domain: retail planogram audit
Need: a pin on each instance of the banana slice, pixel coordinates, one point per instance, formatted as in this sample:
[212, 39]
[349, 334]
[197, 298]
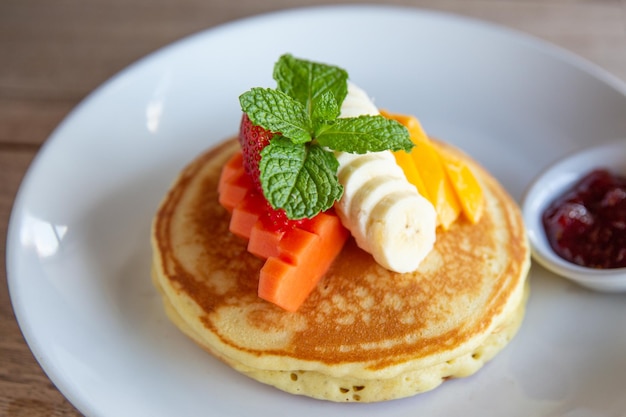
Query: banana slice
[357, 103]
[384, 212]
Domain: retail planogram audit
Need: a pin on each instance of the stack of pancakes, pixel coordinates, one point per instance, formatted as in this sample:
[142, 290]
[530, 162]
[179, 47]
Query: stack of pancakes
[365, 333]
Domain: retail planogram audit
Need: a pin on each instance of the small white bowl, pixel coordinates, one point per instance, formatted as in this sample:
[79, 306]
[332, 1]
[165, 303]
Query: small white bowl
[552, 183]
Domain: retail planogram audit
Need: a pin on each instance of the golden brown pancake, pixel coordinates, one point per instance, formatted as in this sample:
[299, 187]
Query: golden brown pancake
[365, 333]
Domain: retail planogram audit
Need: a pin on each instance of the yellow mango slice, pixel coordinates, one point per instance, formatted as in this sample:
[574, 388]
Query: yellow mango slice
[430, 169]
[403, 158]
[410, 171]
[465, 184]
[440, 190]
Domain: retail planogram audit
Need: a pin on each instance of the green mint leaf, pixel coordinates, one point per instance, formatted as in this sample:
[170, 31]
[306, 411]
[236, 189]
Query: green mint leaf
[307, 81]
[365, 134]
[299, 178]
[326, 109]
[277, 112]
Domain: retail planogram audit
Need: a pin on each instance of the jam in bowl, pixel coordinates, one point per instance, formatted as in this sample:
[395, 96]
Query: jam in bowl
[587, 224]
[575, 216]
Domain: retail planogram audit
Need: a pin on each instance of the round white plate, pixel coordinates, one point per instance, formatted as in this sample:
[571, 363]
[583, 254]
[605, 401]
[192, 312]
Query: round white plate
[78, 252]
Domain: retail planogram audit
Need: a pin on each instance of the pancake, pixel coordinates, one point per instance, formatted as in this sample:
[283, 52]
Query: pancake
[365, 333]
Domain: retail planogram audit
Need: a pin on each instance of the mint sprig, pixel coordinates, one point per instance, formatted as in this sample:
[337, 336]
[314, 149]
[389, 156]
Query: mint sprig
[299, 178]
[298, 167]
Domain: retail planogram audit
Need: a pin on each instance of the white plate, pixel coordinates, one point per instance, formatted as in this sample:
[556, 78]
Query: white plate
[78, 254]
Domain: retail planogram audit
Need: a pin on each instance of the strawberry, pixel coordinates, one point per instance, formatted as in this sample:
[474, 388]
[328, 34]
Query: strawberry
[253, 139]
[277, 220]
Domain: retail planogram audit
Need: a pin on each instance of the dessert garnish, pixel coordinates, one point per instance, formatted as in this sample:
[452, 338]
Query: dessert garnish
[296, 257]
[440, 176]
[297, 167]
[385, 213]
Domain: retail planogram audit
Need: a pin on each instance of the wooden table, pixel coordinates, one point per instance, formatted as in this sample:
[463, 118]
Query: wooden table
[53, 53]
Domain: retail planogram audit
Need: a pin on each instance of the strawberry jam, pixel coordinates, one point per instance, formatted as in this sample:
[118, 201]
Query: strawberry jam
[587, 224]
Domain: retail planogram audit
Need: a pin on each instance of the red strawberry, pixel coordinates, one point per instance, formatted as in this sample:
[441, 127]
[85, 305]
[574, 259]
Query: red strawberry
[278, 221]
[253, 139]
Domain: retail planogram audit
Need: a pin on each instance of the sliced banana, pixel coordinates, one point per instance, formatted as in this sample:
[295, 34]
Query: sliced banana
[384, 212]
[400, 227]
[357, 103]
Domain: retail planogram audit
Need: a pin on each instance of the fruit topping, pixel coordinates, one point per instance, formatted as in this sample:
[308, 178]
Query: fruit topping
[444, 179]
[385, 213]
[298, 169]
[465, 184]
[317, 142]
[253, 139]
[236, 185]
[297, 257]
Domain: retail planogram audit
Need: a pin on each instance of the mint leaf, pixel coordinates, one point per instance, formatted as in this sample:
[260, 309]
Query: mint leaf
[365, 134]
[307, 81]
[326, 109]
[299, 178]
[277, 112]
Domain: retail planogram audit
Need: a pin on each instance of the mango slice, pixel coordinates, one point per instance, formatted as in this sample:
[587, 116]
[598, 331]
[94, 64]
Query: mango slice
[403, 158]
[444, 179]
[465, 185]
[410, 171]
[424, 162]
[440, 191]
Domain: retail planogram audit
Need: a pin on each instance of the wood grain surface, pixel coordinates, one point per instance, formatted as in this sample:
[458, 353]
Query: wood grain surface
[54, 52]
